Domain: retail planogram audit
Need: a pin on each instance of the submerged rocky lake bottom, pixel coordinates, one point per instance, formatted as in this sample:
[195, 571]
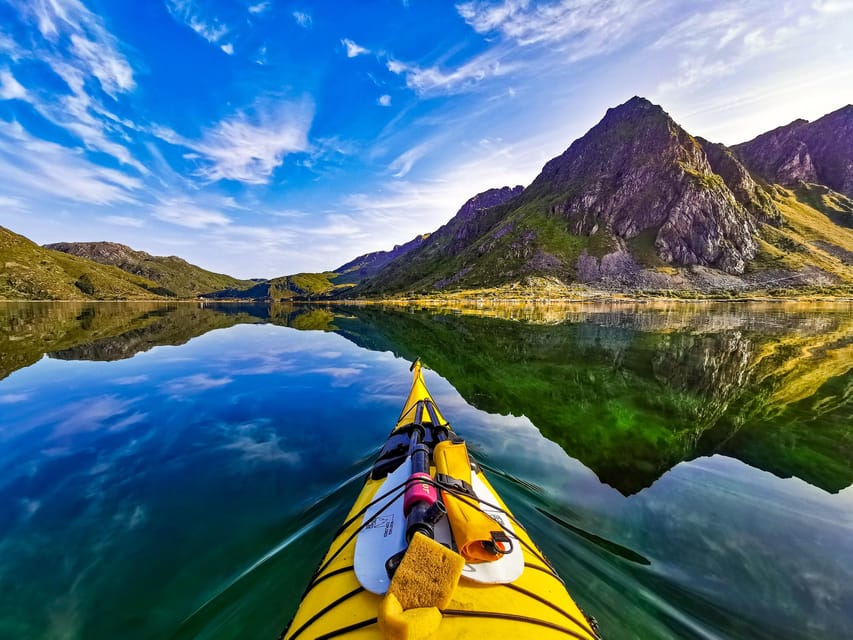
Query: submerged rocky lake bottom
[178, 470]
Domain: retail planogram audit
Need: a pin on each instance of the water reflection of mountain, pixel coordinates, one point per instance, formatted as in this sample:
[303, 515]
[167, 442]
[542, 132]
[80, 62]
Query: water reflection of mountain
[632, 394]
[103, 330]
[629, 391]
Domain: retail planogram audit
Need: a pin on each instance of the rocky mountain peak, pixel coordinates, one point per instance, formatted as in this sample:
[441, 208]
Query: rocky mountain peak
[802, 151]
[487, 199]
[638, 172]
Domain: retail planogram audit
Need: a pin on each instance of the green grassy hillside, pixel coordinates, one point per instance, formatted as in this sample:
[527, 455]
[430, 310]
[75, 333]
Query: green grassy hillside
[183, 279]
[31, 272]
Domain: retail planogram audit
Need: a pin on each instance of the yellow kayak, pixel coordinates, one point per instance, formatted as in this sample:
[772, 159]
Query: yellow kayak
[429, 551]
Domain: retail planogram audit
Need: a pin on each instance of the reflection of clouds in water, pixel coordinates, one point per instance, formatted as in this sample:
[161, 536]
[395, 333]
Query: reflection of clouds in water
[763, 539]
[194, 384]
[262, 364]
[343, 376]
[92, 414]
[131, 380]
[260, 443]
[29, 507]
[14, 398]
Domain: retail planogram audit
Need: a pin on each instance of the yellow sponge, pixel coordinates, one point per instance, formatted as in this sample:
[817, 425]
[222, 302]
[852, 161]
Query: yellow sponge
[427, 575]
[413, 624]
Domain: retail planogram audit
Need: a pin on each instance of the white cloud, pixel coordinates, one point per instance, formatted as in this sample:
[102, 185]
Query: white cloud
[403, 163]
[10, 47]
[353, 49]
[721, 42]
[384, 100]
[183, 212]
[10, 88]
[580, 28]
[123, 221]
[10, 203]
[31, 166]
[303, 19]
[78, 48]
[228, 48]
[395, 66]
[208, 28]
[112, 71]
[260, 7]
[92, 48]
[249, 146]
[425, 80]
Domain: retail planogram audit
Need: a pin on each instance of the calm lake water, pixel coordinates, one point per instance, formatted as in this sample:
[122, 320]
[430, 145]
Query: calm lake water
[176, 471]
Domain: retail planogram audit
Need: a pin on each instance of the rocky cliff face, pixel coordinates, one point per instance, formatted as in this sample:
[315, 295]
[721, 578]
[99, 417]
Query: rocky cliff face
[745, 190]
[637, 191]
[802, 151]
[637, 171]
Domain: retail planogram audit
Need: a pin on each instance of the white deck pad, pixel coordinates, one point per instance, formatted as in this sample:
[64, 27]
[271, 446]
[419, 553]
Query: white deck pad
[386, 536]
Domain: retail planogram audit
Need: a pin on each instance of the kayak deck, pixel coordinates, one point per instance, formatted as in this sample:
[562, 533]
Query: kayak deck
[535, 604]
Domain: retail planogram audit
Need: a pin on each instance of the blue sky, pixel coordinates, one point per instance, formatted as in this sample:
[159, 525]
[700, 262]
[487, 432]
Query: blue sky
[260, 137]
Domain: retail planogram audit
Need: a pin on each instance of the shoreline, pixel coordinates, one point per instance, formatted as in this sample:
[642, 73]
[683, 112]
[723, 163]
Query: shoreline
[468, 299]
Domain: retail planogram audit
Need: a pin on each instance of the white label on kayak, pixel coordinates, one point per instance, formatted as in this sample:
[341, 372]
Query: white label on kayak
[383, 535]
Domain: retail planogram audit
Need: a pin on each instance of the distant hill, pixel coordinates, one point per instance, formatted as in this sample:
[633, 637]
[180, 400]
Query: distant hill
[328, 284]
[638, 203]
[183, 279]
[31, 272]
[802, 151]
[370, 264]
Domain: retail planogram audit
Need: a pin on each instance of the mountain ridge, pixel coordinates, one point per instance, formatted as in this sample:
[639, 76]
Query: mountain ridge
[636, 203]
[183, 279]
[28, 271]
[813, 152]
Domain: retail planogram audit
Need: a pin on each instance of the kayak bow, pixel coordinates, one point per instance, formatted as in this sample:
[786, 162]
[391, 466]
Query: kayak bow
[430, 551]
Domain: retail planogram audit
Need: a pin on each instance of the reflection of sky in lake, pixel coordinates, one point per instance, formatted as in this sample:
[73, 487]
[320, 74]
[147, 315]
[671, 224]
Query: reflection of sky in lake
[189, 492]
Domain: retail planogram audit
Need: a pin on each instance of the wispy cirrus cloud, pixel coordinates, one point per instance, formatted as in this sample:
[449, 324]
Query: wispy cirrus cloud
[403, 163]
[525, 33]
[77, 32]
[352, 49]
[74, 43]
[209, 28]
[250, 145]
[186, 213]
[580, 28]
[10, 88]
[722, 41]
[434, 79]
[29, 165]
[124, 221]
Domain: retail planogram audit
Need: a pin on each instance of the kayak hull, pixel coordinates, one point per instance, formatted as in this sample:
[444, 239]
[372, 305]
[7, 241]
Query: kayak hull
[536, 604]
